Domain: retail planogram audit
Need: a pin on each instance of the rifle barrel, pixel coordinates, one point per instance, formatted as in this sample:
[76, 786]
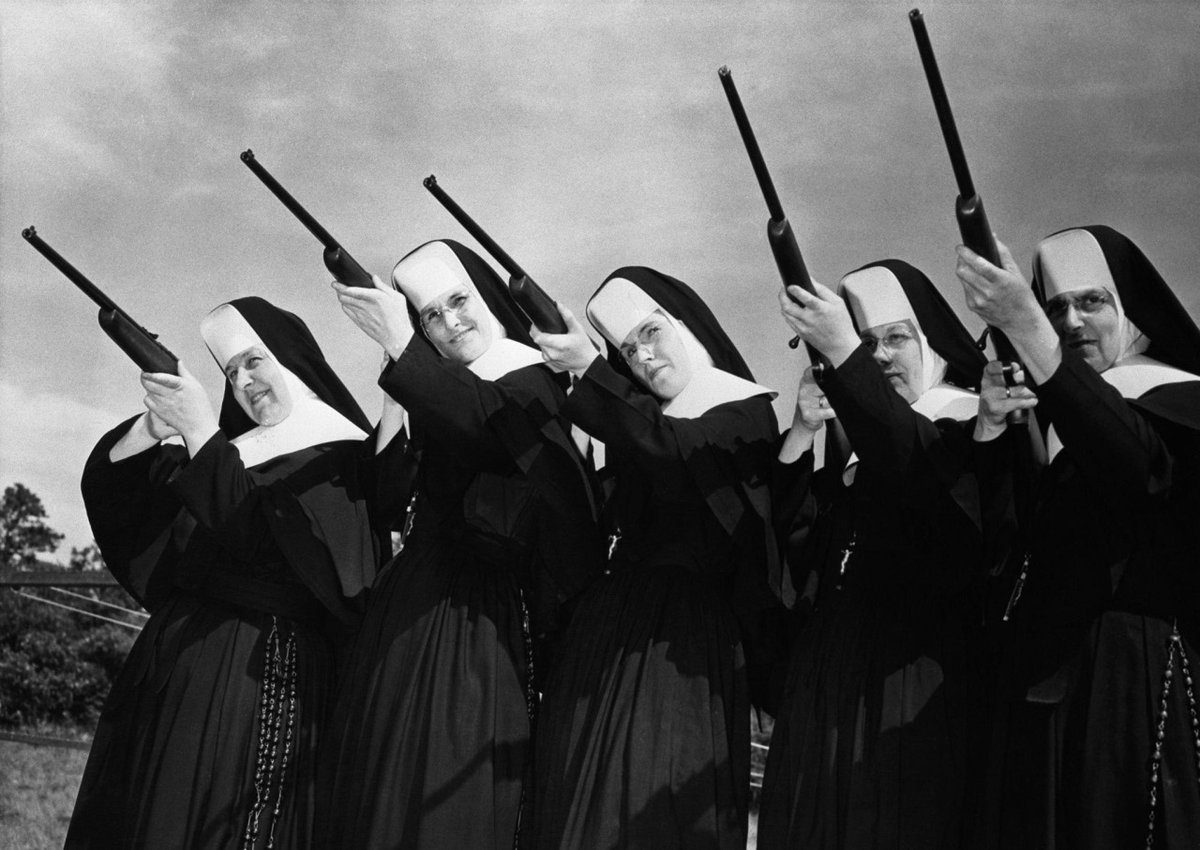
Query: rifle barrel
[288, 201]
[468, 223]
[941, 103]
[751, 143]
[73, 274]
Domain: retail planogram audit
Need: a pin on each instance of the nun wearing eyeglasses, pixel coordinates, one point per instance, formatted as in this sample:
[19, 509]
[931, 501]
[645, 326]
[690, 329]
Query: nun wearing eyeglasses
[868, 750]
[431, 746]
[251, 545]
[1099, 743]
[644, 737]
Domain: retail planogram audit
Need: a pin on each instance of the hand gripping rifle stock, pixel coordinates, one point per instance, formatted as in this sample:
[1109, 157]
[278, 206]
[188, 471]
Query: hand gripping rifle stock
[539, 306]
[780, 237]
[968, 206]
[143, 347]
[337, 259]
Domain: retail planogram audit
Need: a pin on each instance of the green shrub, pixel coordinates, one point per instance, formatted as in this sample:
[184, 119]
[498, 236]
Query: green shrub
[55, 666]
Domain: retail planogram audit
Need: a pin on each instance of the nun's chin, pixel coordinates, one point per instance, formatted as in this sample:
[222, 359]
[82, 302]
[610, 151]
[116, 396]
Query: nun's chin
[1100, 353]
[270, 415]
[904, 389]
[667, 384]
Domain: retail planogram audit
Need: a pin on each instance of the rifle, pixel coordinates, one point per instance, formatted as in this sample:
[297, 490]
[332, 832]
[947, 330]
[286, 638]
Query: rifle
[337, 259]
[143, 347]
[779, 230]
[539, 306]
[968, 206]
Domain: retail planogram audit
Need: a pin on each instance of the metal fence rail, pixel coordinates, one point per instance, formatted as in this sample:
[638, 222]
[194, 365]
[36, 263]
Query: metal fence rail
[44, 741]
[46, 576]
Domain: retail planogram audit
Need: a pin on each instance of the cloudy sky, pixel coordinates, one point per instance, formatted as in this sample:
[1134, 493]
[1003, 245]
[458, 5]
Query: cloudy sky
[584, 136]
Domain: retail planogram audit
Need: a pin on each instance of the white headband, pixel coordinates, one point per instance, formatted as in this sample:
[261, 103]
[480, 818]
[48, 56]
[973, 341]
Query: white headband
[1073, 260]
[227, 334]
[428, 272]
[619, 307]
[875, 297]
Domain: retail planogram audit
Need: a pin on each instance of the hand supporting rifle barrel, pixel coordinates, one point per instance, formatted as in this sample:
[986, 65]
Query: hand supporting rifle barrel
[337, 259]
[143, 347]
[779, 230]
[539, 306]
[968, 206]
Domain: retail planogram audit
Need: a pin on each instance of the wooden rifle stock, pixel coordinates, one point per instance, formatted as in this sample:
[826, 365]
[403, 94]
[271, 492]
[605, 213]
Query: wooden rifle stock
[337, 259]
[142, 347]
[780, 237]
[972, 219]
[539, 306]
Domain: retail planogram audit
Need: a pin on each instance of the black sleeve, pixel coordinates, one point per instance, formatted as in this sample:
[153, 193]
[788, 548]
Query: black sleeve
[898, 442]
[457, 409]
[882, 427]
[795, 510]
[134, 515]
[1115, 447]
[222, 496]
[631, 423]
[390, 479]
[996, 465]
[721, 459]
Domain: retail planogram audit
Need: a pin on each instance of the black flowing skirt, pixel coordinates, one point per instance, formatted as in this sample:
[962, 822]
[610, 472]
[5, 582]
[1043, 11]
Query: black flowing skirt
[430, 739]
[870, 748]
[1071, 763]
[180, 758]
[644, 730]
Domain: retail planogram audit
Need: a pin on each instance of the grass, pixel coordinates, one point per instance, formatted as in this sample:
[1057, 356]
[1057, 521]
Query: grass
[38, 786]
[37, 793]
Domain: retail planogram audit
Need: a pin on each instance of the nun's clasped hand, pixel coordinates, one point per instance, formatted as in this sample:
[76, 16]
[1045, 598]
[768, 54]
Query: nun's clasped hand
[381, 313]
[821, 320]
[1000, 296]
[811, 403]
[997, 399]
[180, 402]
[570, 352]
[157, 428]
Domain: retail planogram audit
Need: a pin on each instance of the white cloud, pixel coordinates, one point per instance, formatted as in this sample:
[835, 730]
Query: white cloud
[71, 77]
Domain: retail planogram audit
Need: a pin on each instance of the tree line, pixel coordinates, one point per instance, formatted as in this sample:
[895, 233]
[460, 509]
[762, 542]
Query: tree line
[56, 665]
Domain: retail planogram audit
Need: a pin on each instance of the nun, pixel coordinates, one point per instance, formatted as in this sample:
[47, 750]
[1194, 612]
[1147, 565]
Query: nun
[868, 750]
[1098, 738]
[644, 738]
[431, 743]
[251, 544]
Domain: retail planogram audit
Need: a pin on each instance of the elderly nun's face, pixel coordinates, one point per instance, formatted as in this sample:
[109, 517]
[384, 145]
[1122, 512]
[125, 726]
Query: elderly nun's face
[1086, 320]
[458, 324]
[259, 386]
[898, 353]
[656, 355]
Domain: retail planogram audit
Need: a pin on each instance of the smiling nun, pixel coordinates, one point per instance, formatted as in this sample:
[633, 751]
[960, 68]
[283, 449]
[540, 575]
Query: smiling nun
[1098, 743]
[251, 545]
[868, 749]
[644, 735]
[431, 742]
